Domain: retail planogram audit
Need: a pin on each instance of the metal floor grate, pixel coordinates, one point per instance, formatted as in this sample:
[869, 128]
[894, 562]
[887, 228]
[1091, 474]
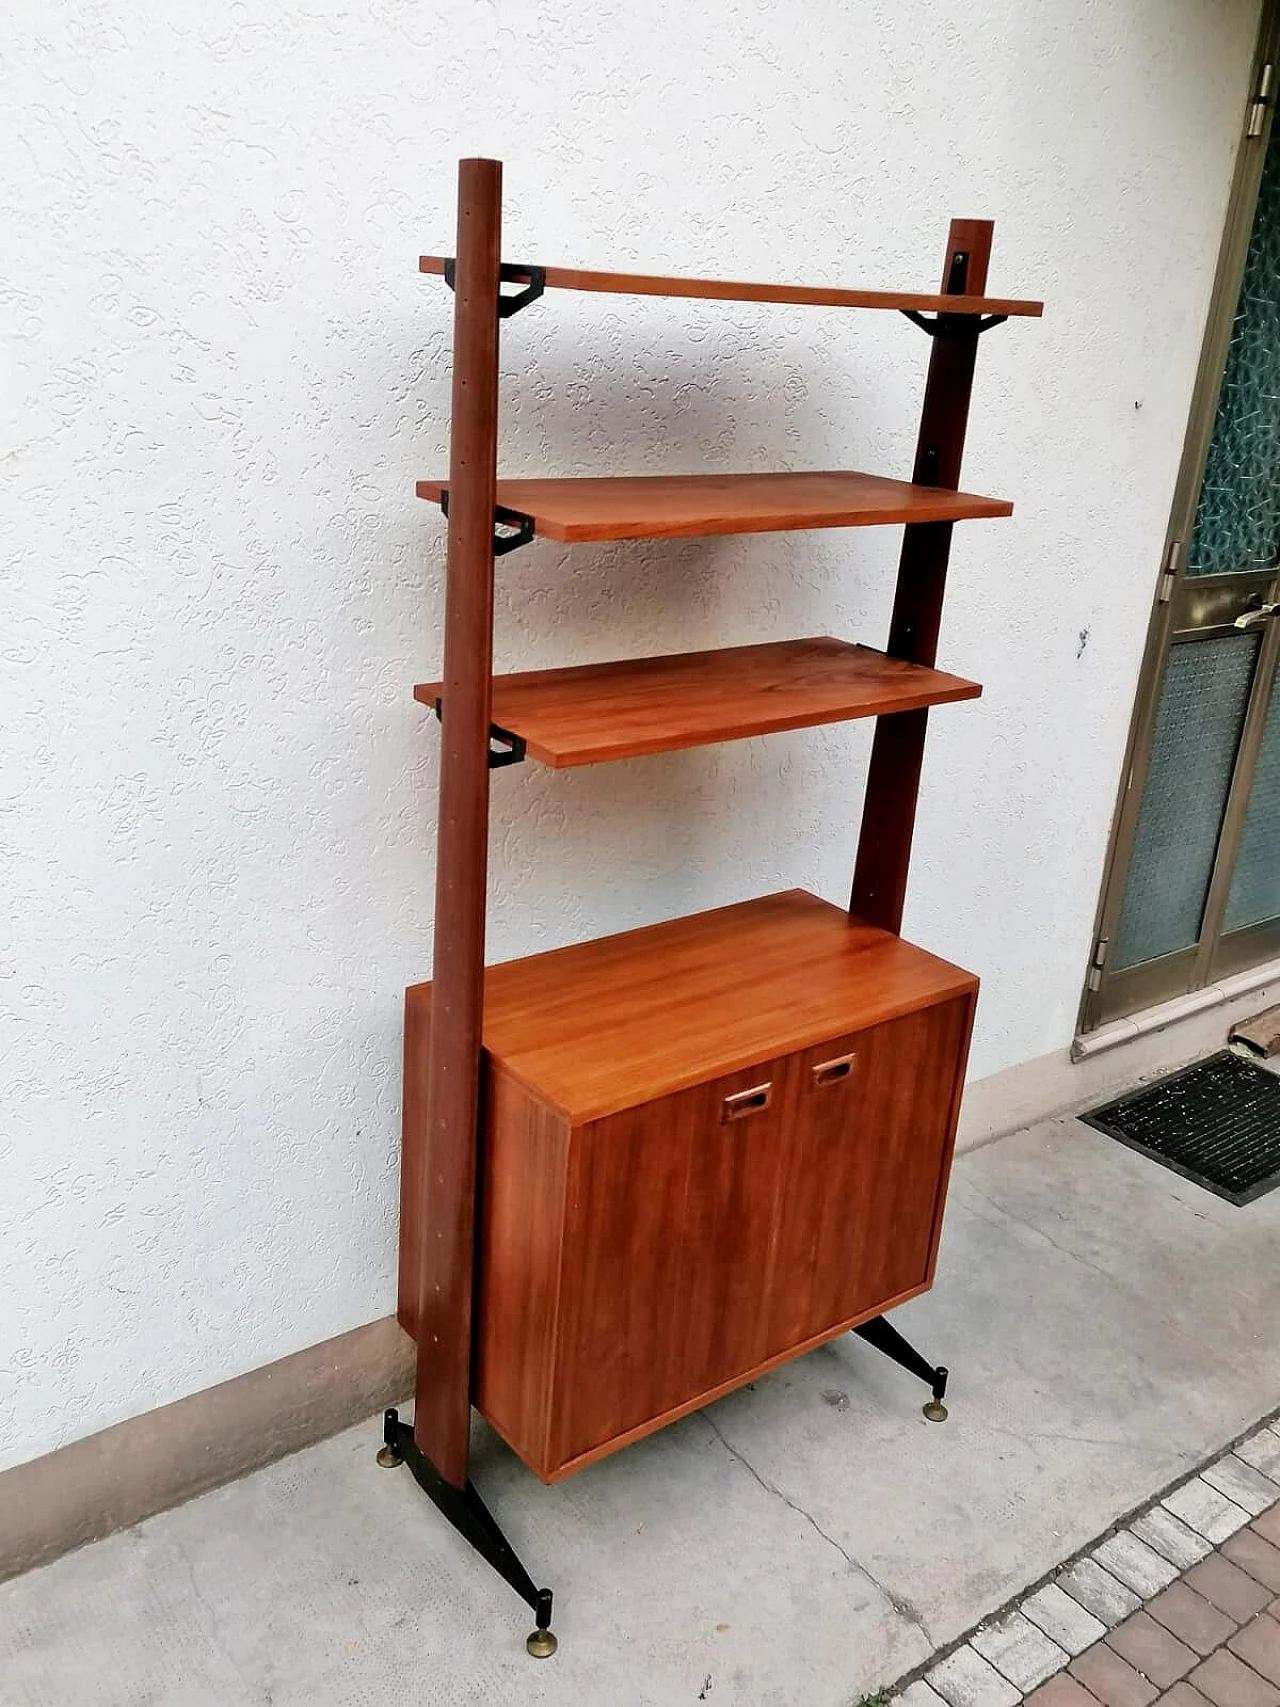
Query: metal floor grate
[1217, 1123]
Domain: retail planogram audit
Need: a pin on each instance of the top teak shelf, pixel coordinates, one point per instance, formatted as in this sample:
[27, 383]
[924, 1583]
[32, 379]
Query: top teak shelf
[725, 290]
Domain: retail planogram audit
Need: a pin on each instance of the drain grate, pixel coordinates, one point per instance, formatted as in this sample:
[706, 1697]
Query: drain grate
[1217, 1123]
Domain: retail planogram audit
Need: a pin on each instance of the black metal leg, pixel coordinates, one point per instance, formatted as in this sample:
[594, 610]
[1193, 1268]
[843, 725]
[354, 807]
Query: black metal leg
[886, 1338]
[469, 1515]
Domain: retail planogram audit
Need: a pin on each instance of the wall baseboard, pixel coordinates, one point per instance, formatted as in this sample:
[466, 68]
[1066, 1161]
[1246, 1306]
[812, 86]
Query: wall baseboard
[115, 1478]
[1069, 1080]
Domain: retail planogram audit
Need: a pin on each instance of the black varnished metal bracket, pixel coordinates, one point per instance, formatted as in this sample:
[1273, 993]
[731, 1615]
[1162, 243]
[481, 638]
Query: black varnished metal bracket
[510, 750]
[502, 517]
[469, 1515]
[886, 1338]
[946, 325]
[505, 542]
[535, 282]
[954, 325]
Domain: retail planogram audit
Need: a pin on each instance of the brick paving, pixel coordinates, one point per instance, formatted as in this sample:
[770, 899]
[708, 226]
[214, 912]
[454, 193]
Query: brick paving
[1178, 1608]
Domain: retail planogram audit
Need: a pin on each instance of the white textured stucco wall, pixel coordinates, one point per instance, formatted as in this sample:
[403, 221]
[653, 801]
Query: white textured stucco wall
[223, 374]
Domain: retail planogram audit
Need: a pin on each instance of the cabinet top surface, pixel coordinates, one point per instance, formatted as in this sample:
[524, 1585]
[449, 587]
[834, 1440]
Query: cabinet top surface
[670, 506]
[600, 1026]
[727, 290]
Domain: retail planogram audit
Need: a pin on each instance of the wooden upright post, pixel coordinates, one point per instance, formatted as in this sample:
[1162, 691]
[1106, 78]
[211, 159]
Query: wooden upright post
[893, 782]
[442, 1414]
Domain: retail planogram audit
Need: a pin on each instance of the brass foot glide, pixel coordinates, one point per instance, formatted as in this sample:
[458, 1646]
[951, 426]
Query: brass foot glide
[541, 1641]
[935, 1411]
[469, 1515]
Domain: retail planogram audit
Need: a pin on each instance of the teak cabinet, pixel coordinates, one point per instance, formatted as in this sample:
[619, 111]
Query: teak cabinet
[667, 1211]
[639, 1171]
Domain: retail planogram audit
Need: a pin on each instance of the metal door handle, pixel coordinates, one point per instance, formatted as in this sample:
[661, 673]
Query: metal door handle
[747, 1102]
[831, 1072]
[1252, 617]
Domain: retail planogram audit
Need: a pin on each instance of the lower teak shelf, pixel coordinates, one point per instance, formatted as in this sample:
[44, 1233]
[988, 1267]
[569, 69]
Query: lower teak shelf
[633, 706]
[667, 1211]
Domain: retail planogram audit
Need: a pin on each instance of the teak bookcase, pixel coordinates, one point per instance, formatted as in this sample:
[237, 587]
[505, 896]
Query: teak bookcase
[607, 1218]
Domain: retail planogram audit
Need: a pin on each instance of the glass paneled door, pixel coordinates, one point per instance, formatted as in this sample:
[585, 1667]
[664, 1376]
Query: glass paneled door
[1193, 885]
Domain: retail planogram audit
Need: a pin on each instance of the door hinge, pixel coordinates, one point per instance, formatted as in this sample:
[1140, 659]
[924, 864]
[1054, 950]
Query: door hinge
[1261, 101]
[1098, 962]
[1169, 574]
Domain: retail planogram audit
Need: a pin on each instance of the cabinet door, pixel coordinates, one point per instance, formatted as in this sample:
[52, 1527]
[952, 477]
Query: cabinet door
[669, 1223]
[873, 1119]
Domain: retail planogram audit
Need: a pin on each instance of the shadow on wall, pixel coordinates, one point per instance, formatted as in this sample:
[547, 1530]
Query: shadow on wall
[680, 387]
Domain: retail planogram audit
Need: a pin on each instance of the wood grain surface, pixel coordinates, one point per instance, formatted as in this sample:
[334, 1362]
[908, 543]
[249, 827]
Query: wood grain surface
[447, 1173]
[680, 506]
[669, 1221]
[866, 1151]
[595, 712]
[589, 1028]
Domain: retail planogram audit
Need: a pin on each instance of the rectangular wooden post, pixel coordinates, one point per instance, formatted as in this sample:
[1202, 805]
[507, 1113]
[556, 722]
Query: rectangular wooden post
[893, 781]
[442, 1415]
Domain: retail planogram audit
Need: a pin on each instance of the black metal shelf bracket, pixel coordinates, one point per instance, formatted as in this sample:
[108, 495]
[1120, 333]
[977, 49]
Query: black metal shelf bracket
[505, 542]
[954, 325]
[886, 1339]
[502, 517]
[510, 749]
[533, 278]
[471, 1517]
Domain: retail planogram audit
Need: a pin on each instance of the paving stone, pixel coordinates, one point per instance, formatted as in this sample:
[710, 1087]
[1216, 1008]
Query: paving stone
[1268, 1525]
[1063, 1619]
[919, 1694]
[1262, 1450]
[965, 1679]
[1206, 1509]
[1228, 1588]
[1099, 1592]
[1242, 1483]
[1258, 1645]
[1183, 1695]
[1247, 1549]
[1112, 1679]
[1151, 1649]
[1169, 1535]
[1191, 1618]
[1227, 1682]
[1063, 1691]
[1138, 1566]
[1020, 1651]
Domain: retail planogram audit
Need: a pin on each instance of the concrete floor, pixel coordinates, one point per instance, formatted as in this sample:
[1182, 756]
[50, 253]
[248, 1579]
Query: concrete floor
[1107, 1326]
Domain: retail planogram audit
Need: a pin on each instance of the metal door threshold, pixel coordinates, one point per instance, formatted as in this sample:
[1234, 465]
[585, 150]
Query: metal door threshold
[1118, 1031]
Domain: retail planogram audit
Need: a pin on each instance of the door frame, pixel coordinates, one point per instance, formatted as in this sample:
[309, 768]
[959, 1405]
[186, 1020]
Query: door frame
[1108, 995]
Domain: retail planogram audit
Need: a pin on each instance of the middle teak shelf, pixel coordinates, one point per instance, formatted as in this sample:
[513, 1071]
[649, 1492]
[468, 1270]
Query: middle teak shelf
[675, 506]
[619, 710]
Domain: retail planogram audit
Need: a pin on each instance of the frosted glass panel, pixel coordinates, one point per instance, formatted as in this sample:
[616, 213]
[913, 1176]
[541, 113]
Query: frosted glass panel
[1238, 519]
[1202, 707]
[1255, 888]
